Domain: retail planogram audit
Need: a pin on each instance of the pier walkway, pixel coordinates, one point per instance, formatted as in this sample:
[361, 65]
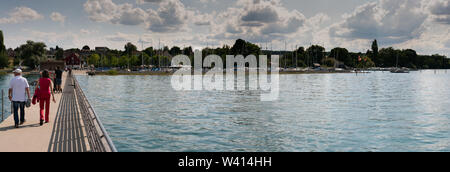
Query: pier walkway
[73, 127]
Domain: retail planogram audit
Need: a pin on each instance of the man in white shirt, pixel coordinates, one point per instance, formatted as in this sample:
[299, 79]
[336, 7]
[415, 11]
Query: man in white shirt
[18, 92]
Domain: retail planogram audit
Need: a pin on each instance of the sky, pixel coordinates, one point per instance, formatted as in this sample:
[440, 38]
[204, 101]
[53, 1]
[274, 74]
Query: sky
[422, 25]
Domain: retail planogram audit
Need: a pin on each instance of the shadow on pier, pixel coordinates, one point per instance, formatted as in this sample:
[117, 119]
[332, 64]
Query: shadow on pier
[77, 127]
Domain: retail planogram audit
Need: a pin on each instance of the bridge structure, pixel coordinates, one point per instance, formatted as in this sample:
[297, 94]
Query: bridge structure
[74, 126]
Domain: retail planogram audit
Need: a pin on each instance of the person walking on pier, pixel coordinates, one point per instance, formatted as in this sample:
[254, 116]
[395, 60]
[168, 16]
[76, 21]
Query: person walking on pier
[18, 91]
[58, 79]
[45, 93]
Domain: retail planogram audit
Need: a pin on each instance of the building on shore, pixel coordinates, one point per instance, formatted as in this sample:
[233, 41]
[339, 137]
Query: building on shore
[51, 54]
[101, 49]
[73, 61]
[52, 65]
[84, 55]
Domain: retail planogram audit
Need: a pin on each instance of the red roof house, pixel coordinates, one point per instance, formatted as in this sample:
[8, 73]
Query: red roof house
[73, 60]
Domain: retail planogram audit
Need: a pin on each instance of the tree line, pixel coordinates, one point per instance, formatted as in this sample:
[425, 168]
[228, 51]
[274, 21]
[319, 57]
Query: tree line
[4, 60]
[31, 53]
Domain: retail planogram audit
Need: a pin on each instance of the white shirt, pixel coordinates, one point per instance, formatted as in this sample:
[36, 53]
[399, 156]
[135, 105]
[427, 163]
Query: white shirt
[18, 85]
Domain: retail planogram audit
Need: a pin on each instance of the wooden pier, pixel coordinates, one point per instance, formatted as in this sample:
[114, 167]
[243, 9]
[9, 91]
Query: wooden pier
[73, 127]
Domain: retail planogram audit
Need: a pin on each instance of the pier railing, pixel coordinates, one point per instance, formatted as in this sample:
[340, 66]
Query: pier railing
[3, 106]
[4, 100]
[97, 136]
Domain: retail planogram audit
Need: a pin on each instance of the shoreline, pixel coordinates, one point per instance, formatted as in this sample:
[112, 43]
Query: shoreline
[172, 73]
[159, 73]
[153, 73]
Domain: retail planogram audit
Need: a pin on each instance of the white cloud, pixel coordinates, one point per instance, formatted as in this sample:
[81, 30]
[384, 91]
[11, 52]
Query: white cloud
[258, 21]
[404, 24]
[436, 39]
[100, 10]
[108, 11]
[58, 17]
[128, 15]
[20, 15]
[120, 37]
[171, 16]
[440, 10]
[207, 1]
[87, 31]
[391, 21]
[148, 1]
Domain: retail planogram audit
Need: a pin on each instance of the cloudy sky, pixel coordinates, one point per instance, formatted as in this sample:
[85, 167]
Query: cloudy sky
[423, 25]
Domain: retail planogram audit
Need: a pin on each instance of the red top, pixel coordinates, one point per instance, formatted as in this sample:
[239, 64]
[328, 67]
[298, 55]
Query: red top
[44, 87]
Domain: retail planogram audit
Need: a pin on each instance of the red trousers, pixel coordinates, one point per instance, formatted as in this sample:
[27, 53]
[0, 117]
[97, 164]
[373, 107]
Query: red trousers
[46, 102]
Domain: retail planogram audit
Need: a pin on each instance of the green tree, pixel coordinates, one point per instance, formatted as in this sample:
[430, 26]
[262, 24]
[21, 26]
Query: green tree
[388, 57]
[147, 59]
[188, 51]
[408, 58]
[149, 51]
[59, 53]
[31, 53]
[130, 49]
[375, 52]
[342, 55]
[242, 47]
[175, 51]
[4, 60]
[135, 61]
[365, 63]
[124, 61]
[94, 59]
[105, 62]
[329, 62]
[301, 57]
[114, 61]
[316, 53]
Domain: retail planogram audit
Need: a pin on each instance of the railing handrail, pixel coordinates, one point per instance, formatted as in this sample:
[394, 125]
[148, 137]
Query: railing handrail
[3, 106]
[96, 118]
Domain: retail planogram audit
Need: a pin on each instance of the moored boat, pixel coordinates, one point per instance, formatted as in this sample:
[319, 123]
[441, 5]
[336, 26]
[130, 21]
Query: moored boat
[400, 70]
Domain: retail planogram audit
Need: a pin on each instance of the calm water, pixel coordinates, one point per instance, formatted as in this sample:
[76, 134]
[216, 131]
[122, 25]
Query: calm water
[4, 85]
[324, 112]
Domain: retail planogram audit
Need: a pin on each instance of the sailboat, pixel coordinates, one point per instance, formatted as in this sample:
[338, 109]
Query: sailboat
[399, 70]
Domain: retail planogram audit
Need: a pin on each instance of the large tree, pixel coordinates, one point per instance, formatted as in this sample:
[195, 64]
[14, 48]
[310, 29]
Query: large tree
[375, 47]
[242, 47]
[130, 49]
[175, 51]
[188, 51]
[316, 53]
[32, 53]
[94, 59]
[149, 51]
[342, 55]
[300, 54]
[59, 53]
[374, 54]
[4, 60]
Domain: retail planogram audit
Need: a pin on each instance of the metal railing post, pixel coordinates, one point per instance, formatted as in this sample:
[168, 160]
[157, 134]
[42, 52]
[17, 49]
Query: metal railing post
[96, 132]
[3, 107]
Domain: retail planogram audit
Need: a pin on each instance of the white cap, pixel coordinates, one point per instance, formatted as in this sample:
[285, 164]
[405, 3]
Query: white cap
[17, 71]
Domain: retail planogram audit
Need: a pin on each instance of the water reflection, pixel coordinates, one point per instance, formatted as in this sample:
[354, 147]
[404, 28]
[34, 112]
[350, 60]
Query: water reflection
[327, 112]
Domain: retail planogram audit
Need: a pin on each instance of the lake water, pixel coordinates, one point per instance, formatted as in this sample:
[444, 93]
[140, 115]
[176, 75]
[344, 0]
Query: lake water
[317, 112]
[4, 85]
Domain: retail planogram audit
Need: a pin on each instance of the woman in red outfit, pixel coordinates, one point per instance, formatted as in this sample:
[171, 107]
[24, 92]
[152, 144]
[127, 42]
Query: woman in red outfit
[45, 93]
